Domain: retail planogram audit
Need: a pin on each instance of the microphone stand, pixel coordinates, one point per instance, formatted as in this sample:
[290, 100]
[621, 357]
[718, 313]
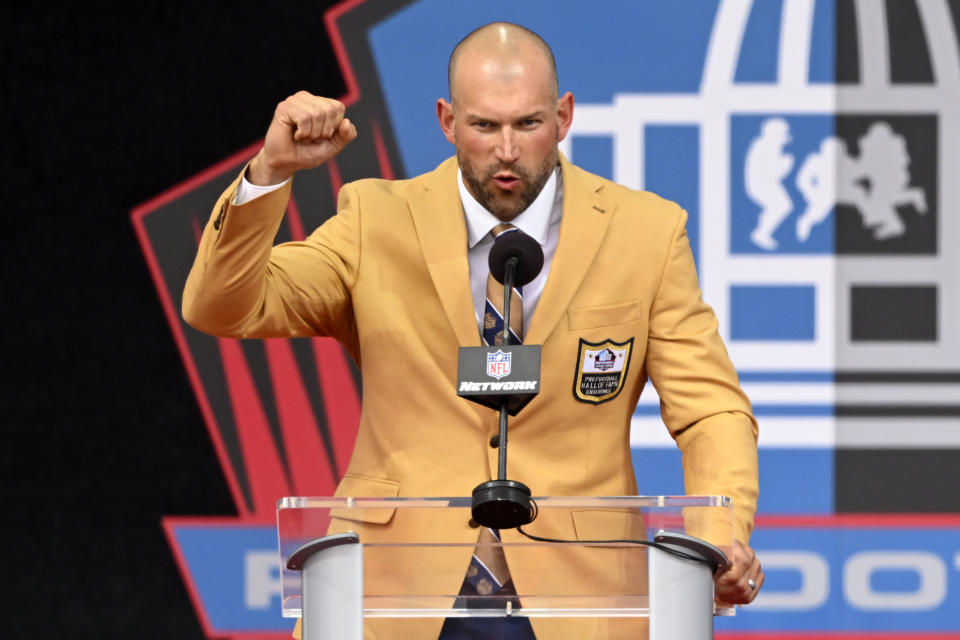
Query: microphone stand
[508, 277]
[502, 503]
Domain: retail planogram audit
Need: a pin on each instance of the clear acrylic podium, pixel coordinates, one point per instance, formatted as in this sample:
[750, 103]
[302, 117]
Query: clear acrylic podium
[347, 560]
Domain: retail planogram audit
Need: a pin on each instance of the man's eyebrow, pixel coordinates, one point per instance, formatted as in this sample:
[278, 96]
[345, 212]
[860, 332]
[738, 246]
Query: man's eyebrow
[529, 116]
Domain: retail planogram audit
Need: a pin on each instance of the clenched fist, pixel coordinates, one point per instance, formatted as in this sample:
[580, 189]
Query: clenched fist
[305, 132]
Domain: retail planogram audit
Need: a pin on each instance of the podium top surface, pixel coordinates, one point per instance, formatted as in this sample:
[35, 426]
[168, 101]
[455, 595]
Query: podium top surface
[543, 502]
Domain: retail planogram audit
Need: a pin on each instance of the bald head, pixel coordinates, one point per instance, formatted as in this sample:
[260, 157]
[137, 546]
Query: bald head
[504, 116]
[500, 48]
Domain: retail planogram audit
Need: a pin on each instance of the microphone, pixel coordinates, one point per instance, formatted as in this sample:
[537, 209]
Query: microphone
[514, 260]
[526, 251]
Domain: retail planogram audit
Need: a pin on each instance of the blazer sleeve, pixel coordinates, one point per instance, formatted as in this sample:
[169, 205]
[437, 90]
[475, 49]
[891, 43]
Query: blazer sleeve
[702, 403]
[241, 286]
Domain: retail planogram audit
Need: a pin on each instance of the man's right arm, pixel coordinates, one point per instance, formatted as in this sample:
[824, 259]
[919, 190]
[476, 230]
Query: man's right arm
[240, 285]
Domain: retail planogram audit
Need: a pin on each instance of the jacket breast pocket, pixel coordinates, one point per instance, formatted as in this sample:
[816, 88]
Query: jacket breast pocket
[607, 315]
[357, 486]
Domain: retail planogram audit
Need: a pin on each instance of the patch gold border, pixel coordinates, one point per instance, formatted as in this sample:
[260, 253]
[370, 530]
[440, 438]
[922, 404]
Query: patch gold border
[584, 345]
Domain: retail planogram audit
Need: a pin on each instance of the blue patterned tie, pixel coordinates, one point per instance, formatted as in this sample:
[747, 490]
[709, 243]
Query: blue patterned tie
[488, 574]
[488, 567]
[493, 311]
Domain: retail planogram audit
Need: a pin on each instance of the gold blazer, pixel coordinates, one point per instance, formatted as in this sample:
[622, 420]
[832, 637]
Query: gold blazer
[388, 277]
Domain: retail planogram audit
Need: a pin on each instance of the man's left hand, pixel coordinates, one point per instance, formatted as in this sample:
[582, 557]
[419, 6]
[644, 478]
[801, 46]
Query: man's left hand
[741, 583]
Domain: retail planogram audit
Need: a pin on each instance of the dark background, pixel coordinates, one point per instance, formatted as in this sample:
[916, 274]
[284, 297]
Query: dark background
[107, 105]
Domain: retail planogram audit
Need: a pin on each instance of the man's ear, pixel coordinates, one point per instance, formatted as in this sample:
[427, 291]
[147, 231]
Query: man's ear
[564, 115]
[445, 116]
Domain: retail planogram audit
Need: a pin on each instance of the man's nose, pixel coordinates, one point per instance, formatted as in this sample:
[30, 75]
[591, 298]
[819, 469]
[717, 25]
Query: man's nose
[507, 149]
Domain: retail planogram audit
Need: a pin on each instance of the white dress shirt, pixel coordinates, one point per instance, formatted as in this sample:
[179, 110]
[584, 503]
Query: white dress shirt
[541, 221]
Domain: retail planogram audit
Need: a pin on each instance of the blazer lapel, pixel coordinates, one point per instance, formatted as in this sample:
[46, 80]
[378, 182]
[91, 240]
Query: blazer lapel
[586, 215]
[439, 219]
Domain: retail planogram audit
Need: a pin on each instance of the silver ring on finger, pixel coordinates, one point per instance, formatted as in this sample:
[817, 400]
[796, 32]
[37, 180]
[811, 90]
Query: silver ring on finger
[752, 584]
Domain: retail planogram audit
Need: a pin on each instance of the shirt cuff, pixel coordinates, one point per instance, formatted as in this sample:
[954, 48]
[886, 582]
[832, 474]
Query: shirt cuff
[248, 191]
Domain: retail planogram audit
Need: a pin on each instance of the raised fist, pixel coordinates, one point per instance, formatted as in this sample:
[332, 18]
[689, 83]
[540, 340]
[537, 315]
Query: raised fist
[305, 132]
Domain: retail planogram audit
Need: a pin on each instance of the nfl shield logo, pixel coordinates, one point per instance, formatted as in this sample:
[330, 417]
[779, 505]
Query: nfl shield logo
[498, 364]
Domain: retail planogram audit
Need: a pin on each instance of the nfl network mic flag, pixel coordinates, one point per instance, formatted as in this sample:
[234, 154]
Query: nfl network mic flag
[813, 144]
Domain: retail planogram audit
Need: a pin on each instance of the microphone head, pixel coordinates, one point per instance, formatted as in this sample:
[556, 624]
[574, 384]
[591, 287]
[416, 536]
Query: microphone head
[516, 244]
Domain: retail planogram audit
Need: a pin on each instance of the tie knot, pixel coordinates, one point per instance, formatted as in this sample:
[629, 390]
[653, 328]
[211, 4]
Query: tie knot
[501, 228]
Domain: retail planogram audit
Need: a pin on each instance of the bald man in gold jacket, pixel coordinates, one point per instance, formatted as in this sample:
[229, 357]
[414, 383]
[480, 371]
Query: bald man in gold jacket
[389, 277]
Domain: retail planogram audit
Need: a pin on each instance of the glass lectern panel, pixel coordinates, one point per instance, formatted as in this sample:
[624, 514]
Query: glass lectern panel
[417, 552]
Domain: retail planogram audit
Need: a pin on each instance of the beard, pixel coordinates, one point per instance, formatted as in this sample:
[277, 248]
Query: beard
[503, 205]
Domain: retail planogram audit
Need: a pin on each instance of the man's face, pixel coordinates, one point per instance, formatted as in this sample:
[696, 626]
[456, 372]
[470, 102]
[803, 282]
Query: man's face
[505, 123]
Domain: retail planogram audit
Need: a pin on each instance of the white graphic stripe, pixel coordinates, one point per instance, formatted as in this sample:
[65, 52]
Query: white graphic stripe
[872, 35]
[800, 432]
[724, 47]
[796, 26]
[828, 393]
[898, 433]
[824, 432]
[943, 43]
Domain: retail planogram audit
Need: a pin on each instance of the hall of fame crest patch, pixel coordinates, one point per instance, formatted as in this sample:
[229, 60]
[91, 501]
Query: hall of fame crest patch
[601, 369]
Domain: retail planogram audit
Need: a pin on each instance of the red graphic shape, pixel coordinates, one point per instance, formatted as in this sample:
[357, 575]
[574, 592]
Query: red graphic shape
[298, 424]
[267, 479]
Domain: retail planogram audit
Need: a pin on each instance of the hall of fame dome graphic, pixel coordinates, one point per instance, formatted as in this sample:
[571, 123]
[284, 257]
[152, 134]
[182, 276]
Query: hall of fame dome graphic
[815, 145]
[811, 185]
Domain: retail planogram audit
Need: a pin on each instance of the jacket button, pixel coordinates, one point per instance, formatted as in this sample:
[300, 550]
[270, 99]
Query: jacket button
[495, 441]
[473, 523]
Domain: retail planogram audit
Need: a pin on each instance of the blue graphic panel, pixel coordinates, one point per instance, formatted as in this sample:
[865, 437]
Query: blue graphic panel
[663, 51]
[855, 579]
[219, 562]
[671, 161]
[762, 410]
[658, 471]
[794, 410]
[759, 52]
[772, 313]
[769, 154]
[823, 46]
[593, 153]
[894, 580]
[782, 489]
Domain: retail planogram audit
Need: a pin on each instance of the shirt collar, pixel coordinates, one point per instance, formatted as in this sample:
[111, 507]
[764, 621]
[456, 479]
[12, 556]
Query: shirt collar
[533, 221]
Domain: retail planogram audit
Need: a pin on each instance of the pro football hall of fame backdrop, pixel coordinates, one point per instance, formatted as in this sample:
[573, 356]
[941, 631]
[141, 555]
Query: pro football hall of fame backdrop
[815, 145]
